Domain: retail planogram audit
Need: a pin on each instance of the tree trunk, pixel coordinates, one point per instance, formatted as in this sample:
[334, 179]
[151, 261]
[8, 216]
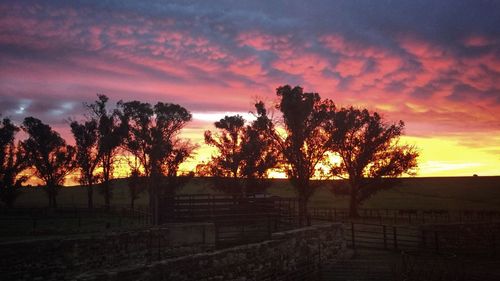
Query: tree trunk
[107, 201]
[154, 195]
[51, 194]
[106, 171]
[353, 202]
[151, 193]
[54, 200]
[90, 194]
[303, 212]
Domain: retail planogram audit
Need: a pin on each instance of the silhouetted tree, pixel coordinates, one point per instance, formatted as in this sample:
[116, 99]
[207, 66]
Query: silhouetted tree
[153, 139]
[305, 143]
[245, 153]
[11, 165]
[87, 155]
[225, 167]
[49, 155]
[259, 152]
[110, 133]
[370, 152]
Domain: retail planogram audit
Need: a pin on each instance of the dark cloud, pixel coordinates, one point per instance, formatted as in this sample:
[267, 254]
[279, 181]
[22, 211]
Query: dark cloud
[236, 49]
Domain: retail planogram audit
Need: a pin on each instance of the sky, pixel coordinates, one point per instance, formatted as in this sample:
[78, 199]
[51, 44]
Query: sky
[433, 64]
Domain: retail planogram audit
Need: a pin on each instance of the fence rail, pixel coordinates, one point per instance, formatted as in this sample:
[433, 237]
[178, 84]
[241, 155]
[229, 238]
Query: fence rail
[46, 221]
[446, 241]
[405, 216]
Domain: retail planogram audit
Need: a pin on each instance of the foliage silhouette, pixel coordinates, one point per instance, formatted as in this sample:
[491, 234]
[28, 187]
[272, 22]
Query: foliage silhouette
[245, 154]
[370, 153]
[12, 163]
[305, 143]
[47, 152]
[111, 130]
[87, 156]
[259, 152]
[153, 139]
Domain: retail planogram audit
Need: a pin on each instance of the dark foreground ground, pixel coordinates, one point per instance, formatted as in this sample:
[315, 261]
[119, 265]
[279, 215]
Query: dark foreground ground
[412, 193]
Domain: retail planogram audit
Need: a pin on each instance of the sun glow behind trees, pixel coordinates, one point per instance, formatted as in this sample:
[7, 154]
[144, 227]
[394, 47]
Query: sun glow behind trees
[440, 157]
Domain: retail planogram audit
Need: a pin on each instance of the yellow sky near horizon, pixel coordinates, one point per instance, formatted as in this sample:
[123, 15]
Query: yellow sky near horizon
[440, 156]
[446, 156]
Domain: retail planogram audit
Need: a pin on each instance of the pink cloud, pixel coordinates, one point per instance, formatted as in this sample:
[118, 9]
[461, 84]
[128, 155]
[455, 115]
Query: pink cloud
[350, 66]
[477, 41]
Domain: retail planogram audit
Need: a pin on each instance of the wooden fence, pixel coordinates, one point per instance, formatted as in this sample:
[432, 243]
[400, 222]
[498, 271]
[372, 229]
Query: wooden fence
[237, 219]
[473, 240]
[405, 216]
[47, 221]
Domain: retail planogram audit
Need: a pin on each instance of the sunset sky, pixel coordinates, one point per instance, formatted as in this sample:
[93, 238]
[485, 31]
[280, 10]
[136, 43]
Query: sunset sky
[433, 64]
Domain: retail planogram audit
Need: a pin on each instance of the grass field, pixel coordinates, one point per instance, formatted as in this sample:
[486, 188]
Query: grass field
[414, 193]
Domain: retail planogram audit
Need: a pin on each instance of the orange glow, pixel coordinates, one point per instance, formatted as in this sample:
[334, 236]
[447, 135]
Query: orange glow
[443, 85]
[439, 156]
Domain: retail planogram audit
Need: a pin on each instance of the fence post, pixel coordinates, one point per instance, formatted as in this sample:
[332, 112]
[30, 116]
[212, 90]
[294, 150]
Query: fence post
[159, 243]
[436, 241]
[424, 239]
[395, 237]
[385, 237]
[352, 236]
[493, 244]
[34, 225]
[216, 234]
[150, 246]
[269, 229]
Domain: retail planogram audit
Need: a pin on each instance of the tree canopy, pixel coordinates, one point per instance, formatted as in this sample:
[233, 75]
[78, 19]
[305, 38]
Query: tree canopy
[111, 129]
[305, 143]
[369, 150]
[245, 153]
[153, 138]
[87, 156]
[49, 155]
[12, 163]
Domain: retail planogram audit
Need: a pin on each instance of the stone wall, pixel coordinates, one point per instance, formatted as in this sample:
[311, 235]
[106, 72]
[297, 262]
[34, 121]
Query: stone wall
[291, 255]
[60, 259]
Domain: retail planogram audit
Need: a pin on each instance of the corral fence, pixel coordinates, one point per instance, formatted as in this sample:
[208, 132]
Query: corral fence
[460, 239]
[405, 216]
[67, 220]
[60, 258]
[237, 219]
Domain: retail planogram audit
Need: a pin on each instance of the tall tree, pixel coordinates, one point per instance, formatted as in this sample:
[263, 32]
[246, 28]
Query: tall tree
[370, 152]
[245, 153]
[259, 152]
[305, 144]
[12, 163]
[49, 155]
[111, 130]
[86, 136]
[225, 167]
[153, 138]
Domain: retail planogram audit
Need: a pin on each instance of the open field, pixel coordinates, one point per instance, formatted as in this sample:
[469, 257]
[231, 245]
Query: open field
[413, 193]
